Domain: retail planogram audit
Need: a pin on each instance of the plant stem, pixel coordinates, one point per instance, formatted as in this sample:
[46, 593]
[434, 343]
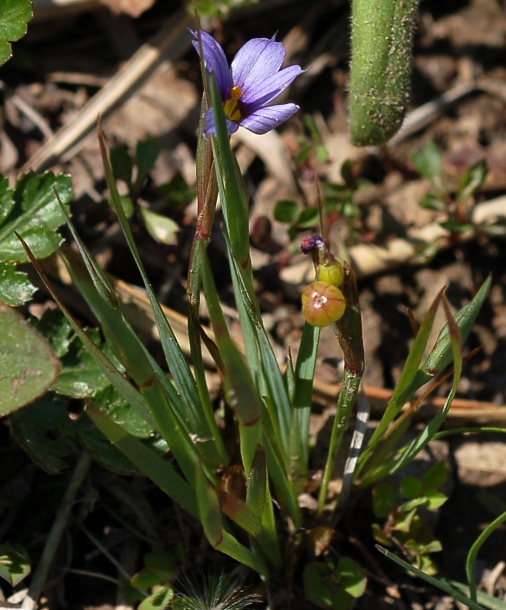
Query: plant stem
[345, 402]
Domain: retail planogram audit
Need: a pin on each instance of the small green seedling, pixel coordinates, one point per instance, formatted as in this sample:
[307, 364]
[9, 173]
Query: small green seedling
[403, 527]
[455, 204]
[335, 586]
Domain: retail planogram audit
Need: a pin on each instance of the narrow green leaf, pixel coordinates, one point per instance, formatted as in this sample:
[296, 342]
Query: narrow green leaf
[161, 398]
[435, 582]
[232, 189]
[409, 451]
[208, 509]
[404, 388]
[194, 405]
[230, 546]
[256, 491]
[345, 403]
[158, 470]
[130, 394]
[239, 512]
[441, 354]
[472, 180]
[485, 600]
[268, 377]
[285, 491]
[474, 550]
[100, 448]
[240, 390]
[304, 377]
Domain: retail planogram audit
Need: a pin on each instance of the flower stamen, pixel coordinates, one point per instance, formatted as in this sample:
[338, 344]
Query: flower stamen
[231, 106]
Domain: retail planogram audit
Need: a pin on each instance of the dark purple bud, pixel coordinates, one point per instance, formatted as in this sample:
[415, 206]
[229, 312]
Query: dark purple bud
[308, 244]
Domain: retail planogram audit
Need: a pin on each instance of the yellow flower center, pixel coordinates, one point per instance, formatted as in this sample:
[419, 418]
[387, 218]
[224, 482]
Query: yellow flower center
[231, 107]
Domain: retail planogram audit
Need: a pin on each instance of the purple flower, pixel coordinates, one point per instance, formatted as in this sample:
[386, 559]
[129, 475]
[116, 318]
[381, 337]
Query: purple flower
[249, 85]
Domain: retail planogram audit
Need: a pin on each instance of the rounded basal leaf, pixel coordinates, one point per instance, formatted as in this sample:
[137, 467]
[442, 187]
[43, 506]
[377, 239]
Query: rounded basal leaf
[14, 563]
[33, 428]
[114, 406]
[14, 17]
[15, 287]
[384, 496]
[161, 228]
[428, 161]
[285, 210]
[28, 366]
[352, 576]
[324, 587]
[34, 212]
[159, 600]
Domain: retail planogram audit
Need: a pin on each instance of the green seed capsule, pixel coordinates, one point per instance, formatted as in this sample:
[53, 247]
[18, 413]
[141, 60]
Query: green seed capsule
[322, 304]
[331, 273]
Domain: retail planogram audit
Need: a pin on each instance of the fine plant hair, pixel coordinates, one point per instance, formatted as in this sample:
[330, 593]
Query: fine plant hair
[214, 591]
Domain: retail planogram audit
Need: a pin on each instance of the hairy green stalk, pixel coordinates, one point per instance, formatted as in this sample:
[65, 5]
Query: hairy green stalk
[382, 48]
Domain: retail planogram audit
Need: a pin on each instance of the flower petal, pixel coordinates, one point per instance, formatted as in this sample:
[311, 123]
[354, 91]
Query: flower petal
[258, 59]
[269, 117]
[211, 128]
[265, 90]
[215, 61]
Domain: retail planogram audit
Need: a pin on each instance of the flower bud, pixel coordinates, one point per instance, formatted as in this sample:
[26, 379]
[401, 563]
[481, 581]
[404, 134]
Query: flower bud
[331, 273]
[322, 304]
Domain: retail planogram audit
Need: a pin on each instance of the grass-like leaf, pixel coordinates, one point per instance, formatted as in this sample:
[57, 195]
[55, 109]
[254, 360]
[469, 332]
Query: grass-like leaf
[474, 550]
[302, 401]
[147, 461]
[435, 582]
[194, 405]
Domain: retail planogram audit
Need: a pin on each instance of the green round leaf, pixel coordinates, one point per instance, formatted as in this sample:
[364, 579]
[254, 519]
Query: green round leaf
[15, 287]
[14, 563]
[161, 228]
[285, 210]
[28, 366]
[353, 579]
[14, 16]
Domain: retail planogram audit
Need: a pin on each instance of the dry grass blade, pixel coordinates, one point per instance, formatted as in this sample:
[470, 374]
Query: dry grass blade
[171, 41]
